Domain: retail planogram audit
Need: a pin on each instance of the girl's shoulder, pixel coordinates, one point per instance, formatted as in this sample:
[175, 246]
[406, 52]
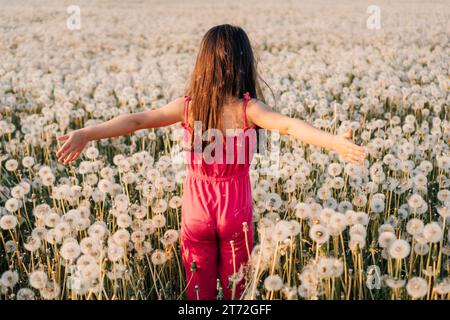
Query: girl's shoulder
[252, 107]
[256, 108]
[255, 104]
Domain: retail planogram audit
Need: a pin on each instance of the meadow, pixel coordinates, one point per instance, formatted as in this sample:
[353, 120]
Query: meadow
[107, 226]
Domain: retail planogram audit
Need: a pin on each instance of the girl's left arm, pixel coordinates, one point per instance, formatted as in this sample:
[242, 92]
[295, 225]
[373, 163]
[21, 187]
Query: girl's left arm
[261, 115]
[76, 140]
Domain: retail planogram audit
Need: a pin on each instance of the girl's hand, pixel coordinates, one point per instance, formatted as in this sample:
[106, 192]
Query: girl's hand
[347, 149]
[73, 146]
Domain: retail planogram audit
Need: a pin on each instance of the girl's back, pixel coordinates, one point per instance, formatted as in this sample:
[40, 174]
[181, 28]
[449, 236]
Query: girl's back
[230, 152]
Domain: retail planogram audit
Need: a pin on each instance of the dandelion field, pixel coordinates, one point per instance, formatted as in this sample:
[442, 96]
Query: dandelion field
[107, 226]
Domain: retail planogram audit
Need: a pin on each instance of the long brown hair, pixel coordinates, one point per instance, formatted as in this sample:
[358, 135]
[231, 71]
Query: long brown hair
[225, 67]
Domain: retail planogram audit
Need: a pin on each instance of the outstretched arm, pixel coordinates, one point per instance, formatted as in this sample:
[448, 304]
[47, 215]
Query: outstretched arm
[261, 115]
[75, 141]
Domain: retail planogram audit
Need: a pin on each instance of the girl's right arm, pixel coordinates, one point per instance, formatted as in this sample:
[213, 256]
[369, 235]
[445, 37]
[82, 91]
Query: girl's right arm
[261, 115]
[75, 141]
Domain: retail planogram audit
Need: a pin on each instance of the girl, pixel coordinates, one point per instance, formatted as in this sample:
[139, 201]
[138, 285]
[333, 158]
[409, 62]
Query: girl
[216, 221]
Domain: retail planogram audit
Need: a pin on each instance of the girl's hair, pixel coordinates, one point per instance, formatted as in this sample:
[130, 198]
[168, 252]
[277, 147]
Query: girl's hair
[225, 68]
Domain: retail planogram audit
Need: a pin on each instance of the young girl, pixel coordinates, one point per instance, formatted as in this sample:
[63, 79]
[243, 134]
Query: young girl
[216, 221]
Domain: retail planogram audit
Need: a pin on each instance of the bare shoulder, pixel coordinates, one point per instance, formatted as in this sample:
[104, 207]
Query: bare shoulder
[254, 107]
[255, 104]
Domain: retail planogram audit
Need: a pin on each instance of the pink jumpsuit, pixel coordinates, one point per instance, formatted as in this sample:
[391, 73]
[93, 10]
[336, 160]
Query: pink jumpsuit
[216, 201]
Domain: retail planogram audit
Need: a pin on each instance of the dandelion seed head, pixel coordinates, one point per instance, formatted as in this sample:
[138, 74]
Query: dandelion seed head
[38, 279]
[417, 287]
[273, 283]
[399, 249]
[8, 222]
[319, 234]
[25, 294]
[158, 257]
[9, 278]
[432, 232]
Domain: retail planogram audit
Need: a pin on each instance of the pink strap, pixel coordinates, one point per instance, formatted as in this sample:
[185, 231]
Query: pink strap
[247, 98]
[186, 104]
